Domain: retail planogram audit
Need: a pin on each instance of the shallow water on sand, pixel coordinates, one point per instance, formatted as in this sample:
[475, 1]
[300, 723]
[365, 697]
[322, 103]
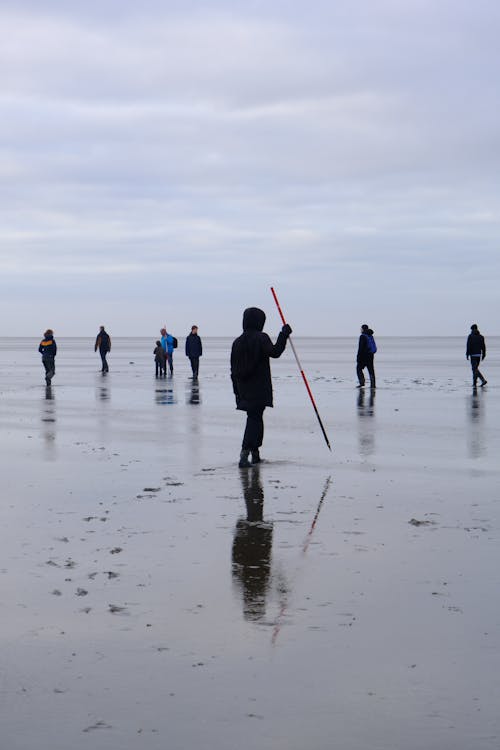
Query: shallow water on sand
[156, 596]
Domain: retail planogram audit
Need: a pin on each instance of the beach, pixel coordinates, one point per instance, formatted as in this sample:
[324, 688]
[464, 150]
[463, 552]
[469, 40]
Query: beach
[156, 596]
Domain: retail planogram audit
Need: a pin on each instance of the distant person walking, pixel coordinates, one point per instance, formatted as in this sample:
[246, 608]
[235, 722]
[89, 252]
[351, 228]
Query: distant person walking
[366, 349]
[169, 343]
[48, 350]
[476, 351]
[103, 343]
[194, 350]
[251, 378]
[160, 360]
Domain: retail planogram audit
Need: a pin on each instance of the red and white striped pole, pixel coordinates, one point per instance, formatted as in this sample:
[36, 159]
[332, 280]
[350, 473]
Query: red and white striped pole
[302, 372]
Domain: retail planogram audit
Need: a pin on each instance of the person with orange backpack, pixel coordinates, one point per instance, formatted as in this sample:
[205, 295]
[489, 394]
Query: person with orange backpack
[48, 350]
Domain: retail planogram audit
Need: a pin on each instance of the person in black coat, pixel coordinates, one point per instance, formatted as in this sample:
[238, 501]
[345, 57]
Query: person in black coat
[366, 350]
[103, 343]
[251, 377]
[194, 350]
[476, 350]
[48, 350]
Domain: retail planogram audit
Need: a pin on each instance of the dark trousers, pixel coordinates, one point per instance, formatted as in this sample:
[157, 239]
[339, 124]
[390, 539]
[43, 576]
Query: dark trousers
[474, 363]
[103, 354]
[170, 362]
[195, 364]
[371, 371]
[49, 364]
[161, 368]
[254, 429]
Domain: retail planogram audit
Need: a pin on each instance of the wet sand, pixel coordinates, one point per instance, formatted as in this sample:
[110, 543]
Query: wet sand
[155, 596]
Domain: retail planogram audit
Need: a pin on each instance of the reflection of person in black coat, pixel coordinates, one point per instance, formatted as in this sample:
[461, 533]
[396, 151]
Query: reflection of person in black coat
[103, 343]
[366, 350]
[366, 427]
[252, 546]
[194, 350]
[476, 350]
[251, 377]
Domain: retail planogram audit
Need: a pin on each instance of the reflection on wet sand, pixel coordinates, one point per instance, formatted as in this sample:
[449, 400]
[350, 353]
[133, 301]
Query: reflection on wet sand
[48, 419]
[284, 589]
[366, 426]
[165, 395]
[193, 392]
[475, 434]
[102, 393]
[251, 556]
[102, 397]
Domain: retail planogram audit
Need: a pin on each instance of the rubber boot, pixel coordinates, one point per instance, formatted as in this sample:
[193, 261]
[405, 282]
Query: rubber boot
[256, 457]
[244, 463]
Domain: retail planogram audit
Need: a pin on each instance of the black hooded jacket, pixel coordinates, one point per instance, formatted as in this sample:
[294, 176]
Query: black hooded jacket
[250, 369]
[103, 342]
[476, 346]
[194, 346]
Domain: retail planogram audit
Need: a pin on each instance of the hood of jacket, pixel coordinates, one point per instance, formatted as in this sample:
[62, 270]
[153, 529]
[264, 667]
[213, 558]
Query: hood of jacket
[253, 319]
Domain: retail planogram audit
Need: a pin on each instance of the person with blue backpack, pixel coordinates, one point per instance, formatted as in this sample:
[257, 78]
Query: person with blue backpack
[366, 349]
[169, 343]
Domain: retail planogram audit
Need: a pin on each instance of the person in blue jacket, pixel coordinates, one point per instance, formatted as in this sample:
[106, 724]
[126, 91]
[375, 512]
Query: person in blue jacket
[48, 350]
[168, 344]
[194, 350]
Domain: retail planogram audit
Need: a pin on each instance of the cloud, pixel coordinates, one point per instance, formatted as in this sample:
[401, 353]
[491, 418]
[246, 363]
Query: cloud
[344, 146]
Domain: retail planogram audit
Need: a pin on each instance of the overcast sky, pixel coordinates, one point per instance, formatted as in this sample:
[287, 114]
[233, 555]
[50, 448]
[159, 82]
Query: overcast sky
[167, 162]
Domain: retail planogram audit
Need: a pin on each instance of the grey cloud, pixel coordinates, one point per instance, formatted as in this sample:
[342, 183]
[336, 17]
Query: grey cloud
[340, 146]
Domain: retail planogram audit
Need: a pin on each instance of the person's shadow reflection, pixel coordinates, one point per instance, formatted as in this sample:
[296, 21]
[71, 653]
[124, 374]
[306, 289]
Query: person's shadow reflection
[252, 545]
[366, 427]
[165, 395]
[102, 392]
[48, 419]
[193, 392]
[475, 433]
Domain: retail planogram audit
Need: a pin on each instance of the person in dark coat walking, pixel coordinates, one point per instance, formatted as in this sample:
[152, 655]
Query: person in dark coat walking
[251, 377]
[476, 350]
[103, 343]
[366, 350]
[194, 350]
[48, 350]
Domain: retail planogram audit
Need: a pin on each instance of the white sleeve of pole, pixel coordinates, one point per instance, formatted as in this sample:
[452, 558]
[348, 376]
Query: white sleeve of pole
[295, 353]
